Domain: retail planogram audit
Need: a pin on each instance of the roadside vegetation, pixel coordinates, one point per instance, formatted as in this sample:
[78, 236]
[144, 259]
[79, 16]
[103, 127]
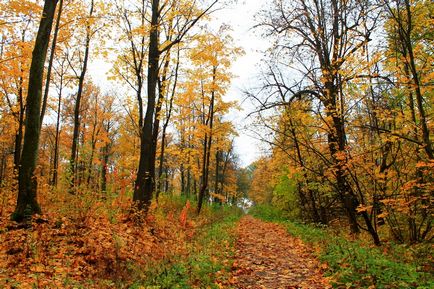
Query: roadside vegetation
[355, 263]
[100, 243]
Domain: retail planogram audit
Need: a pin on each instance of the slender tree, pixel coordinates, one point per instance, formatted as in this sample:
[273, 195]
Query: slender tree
[81, 78]
[50, 61]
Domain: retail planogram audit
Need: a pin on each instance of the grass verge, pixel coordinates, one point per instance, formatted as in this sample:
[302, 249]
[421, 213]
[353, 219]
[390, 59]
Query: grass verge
[355, 264]
[209, 257]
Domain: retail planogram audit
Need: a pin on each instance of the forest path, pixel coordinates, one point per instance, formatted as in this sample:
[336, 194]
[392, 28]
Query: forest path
[268, 257]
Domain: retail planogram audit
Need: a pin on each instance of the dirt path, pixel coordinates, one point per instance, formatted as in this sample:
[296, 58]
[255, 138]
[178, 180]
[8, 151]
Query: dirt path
[268, 257]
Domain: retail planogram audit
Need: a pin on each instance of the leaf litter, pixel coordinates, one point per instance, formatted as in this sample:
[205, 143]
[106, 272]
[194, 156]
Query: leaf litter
[268, 257]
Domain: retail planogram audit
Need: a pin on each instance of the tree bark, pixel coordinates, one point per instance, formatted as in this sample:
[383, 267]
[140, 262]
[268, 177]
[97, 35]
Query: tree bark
[145, 181]
[57, 137]
[217, 175]
[165, 125]
[50, 61]
[207, 149]
[19, 134]
[104, 166]
[27, 203]
[73, 158]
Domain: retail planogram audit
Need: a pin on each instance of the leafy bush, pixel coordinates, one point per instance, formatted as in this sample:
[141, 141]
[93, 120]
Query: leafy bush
[285, 196]
[267, 212]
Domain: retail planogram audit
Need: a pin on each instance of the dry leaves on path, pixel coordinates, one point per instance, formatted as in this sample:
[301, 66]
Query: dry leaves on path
[268, 257]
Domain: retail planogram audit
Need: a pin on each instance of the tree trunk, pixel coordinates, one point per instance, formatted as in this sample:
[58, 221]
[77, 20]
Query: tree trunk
[19, 140]
[349, 202]
[56, 141]
[2, 168]
[93, 141]
[217, 177]
[50, 61]
[21, 114]
[145, 181]
[207, 149]
[104, 164]
[165, 125]
[27, 202]
[188, 185]
[336, 143]
[73, 158]
[166, 181]
[161, 95]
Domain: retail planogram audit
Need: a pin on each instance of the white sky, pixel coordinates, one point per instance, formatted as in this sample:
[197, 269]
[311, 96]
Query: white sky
[240, 17]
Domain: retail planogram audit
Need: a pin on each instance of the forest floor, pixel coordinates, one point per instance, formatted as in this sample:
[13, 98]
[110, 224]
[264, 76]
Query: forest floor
[268, 257]
[98, 243]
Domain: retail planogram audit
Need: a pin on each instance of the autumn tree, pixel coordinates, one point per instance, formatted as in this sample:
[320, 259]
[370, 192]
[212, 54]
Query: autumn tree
[341, 112]
[27, 202]
[145, 182]
[409, 60]
[132, 20]
[18, 33]
[322, 37]
[89, 27]
[203, 94]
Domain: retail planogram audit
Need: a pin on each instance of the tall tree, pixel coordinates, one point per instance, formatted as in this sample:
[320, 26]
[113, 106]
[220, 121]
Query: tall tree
[130, 65]
[89, 33]
[51, 59]
[27, 202]
[329, 34]
[145, 182]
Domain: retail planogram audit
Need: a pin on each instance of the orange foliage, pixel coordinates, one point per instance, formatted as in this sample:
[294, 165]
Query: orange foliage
[183, 215]
[93, 240]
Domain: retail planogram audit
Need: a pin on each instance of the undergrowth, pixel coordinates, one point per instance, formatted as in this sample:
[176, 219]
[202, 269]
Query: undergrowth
[92, 241]
[356, 263]
[209, 257]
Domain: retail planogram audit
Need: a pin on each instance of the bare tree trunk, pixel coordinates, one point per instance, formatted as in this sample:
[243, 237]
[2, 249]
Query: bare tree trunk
[57, 137]
[27, 203]
[50, 61]
[145, 182]
[207, 149]
[73, 158]
[165, 125]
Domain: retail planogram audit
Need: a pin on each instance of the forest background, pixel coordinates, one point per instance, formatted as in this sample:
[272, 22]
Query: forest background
[342, 102]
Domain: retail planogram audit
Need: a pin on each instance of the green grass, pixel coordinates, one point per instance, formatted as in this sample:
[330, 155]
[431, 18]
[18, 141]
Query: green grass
[353, 264]
[209, 259]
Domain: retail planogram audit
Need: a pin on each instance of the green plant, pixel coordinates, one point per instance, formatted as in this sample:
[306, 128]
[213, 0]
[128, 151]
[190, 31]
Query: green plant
[208, 260]
[354, 264]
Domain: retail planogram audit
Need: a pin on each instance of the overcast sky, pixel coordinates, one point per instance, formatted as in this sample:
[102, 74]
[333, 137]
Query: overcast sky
[240, 17]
